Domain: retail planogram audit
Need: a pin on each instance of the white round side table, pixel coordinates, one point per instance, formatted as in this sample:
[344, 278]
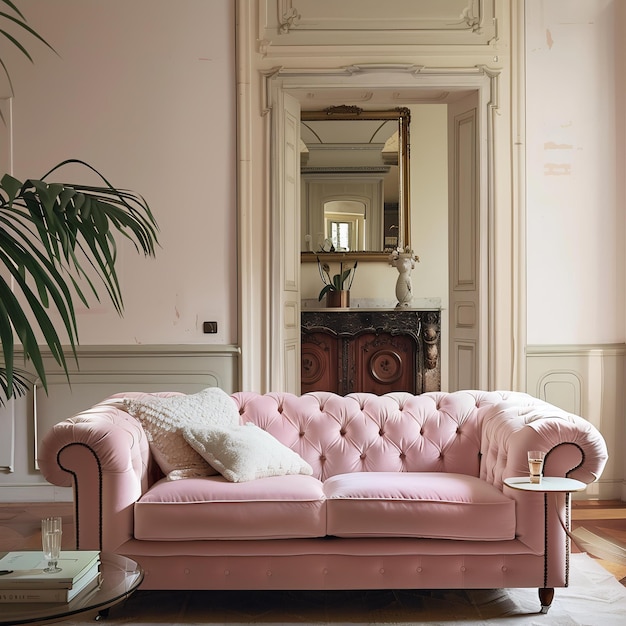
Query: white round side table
[548, 484]
[555, 485]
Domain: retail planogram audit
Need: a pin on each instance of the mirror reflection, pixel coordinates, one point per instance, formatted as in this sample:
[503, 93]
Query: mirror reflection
[354, 180]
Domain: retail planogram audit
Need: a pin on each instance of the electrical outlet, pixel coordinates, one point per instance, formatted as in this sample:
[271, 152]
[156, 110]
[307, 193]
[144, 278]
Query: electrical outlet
[209, 327]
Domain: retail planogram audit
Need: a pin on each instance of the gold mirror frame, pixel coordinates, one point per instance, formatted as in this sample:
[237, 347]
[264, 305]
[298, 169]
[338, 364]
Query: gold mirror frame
[403, 116]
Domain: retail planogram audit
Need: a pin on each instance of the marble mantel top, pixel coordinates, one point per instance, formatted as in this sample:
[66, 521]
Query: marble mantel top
[337, 309]
[375, 305]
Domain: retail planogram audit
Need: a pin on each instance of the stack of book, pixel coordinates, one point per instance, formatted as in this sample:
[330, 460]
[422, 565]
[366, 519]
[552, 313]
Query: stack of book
[22, 576]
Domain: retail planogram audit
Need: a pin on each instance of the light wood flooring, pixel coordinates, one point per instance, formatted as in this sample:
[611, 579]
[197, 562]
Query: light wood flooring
[19, 526]
[606, 519]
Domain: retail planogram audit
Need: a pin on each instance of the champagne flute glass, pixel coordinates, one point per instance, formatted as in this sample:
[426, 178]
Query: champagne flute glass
[51, 532]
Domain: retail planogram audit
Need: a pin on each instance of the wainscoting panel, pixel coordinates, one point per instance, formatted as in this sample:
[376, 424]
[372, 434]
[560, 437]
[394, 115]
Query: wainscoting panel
[7, 441]
[105, 370]
[101, 372]
[588, 381]
[563, 389]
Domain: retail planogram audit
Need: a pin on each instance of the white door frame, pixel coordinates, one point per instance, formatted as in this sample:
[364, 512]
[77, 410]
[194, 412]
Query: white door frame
[380, 82]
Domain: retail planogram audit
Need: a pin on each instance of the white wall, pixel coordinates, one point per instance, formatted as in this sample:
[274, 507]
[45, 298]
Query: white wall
[576, 210]
[575, 172]
[145, 92]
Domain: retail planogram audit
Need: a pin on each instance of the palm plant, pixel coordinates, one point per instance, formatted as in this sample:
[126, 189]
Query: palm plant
[54, 237]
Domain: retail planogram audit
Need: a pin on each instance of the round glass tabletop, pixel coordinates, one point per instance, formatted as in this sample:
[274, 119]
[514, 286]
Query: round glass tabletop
[120, 577]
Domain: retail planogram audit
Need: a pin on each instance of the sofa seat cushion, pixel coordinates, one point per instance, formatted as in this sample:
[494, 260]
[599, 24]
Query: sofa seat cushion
[417, 504]
[277, 507]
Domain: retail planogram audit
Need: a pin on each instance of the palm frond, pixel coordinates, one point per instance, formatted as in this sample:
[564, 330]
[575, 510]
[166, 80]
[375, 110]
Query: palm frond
[16, 19]
[21, 383]
[53, 237]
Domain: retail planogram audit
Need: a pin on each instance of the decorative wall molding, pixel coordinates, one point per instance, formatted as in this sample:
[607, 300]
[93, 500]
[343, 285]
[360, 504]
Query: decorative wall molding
[7, 441]
[383, 82]
[105, 370]
[394, 22]
[586, 380]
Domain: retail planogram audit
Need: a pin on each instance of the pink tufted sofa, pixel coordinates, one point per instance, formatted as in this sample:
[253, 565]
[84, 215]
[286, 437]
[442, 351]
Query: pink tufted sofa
[407, 492]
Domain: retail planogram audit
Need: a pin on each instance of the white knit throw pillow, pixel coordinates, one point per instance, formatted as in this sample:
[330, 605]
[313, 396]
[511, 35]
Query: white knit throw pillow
[163, 420]
[247, 452]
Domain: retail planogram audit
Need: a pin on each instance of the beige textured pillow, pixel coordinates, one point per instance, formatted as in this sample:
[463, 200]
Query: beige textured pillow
[247, 452]
[163, 420]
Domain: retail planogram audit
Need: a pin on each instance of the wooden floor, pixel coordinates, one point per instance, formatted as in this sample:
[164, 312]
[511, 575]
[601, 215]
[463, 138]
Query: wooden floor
[607, 520]
[19, 526]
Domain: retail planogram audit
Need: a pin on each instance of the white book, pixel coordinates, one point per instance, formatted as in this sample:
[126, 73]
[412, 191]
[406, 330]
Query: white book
[25, 570]
[86, 584]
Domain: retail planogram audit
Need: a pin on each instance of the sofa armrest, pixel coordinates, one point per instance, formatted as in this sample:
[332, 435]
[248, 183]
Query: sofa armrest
[573, 446]
[104, 455]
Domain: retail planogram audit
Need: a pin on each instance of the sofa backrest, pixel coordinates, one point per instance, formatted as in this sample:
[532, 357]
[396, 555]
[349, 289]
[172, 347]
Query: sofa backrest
[431, 432]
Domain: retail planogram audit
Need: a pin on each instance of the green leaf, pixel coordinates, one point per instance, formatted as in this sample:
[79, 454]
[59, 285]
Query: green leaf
[324, 291]
[21, 22]
[12, 6]
[50, 235]
[11, 186]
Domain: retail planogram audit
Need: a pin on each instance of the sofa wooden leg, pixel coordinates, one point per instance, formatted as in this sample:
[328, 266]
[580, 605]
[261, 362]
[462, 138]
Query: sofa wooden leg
[546, 595]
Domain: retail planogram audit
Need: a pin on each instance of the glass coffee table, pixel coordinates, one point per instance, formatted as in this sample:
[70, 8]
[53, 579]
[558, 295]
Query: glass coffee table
[120, 577]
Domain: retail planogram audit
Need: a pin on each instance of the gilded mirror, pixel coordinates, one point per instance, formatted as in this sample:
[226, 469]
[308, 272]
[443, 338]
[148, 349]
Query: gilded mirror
[354, 170]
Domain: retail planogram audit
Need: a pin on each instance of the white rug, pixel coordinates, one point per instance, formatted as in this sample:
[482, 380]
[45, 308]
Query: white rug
[594, 598]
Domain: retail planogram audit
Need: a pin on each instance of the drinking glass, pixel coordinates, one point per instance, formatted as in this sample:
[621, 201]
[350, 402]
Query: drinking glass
[51, 541]
[535, 465]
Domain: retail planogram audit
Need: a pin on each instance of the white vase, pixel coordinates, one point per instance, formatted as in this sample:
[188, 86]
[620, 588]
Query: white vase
[404, 264]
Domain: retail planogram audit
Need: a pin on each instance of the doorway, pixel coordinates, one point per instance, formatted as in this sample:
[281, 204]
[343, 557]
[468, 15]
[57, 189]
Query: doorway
[472, 353]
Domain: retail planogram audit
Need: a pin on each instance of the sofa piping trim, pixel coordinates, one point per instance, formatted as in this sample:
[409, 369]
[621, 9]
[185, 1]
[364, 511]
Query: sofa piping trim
[76, 496]
[569, 443]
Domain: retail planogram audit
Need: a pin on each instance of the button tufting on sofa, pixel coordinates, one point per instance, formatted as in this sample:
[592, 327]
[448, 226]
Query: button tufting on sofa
[383, 494]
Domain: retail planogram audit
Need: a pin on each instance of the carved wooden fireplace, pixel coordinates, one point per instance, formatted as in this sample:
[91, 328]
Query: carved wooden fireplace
[371, 350]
